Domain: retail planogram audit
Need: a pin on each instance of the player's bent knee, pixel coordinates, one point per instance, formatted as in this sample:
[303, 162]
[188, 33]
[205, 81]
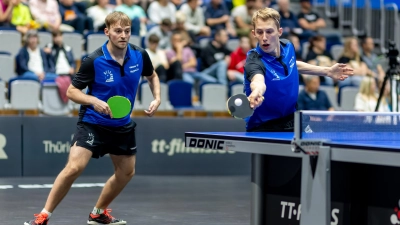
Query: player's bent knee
[127, 174]
[72, 171]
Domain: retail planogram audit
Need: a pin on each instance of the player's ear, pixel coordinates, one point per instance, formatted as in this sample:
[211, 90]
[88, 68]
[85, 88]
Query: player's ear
[280, 30]
[253, 33]
[106, 31]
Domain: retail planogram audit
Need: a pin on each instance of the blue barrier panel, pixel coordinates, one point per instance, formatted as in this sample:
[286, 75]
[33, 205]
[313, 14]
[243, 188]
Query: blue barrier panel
[10, 146]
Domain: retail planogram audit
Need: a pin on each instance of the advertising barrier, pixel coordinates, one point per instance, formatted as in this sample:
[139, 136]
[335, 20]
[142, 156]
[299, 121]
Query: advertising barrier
[10, 146]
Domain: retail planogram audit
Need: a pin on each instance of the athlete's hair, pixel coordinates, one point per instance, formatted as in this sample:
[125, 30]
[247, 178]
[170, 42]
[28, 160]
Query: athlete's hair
[266, 14]
[117, 17]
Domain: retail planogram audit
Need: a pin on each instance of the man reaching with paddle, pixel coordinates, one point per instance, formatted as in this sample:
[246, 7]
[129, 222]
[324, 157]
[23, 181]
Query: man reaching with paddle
[112, 75]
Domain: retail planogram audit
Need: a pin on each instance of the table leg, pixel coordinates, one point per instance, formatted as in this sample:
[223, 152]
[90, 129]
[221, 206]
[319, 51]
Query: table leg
[258, 197]
[315, 192]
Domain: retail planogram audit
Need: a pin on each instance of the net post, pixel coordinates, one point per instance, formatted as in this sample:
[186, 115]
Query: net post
[297, 125]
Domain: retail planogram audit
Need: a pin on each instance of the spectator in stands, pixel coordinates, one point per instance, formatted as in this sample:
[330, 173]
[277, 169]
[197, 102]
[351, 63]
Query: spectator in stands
[297, 47]
[366, 99]
[242, 16]
[217, 17]
[308, 19]
[371, 59]
[351, 57]
[215, 57]
[73, 17]
[161, 9]
[188, 36]
[33, 62]
[135, 13]
[158, 58]
[21, 18]
[195, 18]
[61, 54]
[288, 21]
[46, 13]
[318, 55]
[6, 10]
[181, 57]
[311, 98]
[238, 59]
[98, 13]
[163, 32]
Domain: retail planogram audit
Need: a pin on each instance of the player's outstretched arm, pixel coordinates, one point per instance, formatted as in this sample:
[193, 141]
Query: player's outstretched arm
[154, 84]
[338, 71]
[258, 89]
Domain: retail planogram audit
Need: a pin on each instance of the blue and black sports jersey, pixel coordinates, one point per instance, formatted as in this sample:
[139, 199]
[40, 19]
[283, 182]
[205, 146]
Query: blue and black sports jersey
[282, 81]
[105, 78]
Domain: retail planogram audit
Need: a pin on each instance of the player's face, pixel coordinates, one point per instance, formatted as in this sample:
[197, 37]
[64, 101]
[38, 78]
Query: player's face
[267, 35]
[118, 35]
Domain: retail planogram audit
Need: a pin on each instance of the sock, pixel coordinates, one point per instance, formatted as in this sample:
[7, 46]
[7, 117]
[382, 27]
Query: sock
[97, 211]
[47, 212]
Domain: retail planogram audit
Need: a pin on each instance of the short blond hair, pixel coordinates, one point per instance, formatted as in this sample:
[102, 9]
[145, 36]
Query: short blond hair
[266, 14]
[117, 17]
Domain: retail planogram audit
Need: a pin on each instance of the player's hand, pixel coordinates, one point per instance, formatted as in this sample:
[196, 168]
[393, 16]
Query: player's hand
[102, 107]
[153, 107]
[256, 99]
[340, 71]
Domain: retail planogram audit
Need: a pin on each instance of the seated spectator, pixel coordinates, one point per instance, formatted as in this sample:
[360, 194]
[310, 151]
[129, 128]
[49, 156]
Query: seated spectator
[371, 59]
[195, 18]
[288, 21]
[46, 13]
[242, 16]
[238, 59]
[308, 19]
[158, 58]
[318, 55]
[311, 98]
[351, 56]
[366, 99]
[297, 47]
[182, 58]
[161, 9]
[6, 10]
[188, 36]
[163, 32]
[61, 54]
[215, 57]
[73, 17]
[98, 13]
[135, 13]
[33, 62]
[21, 18]
[217, 17]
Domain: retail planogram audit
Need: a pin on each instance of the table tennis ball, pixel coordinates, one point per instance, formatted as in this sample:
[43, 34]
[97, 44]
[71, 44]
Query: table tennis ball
[238, 102]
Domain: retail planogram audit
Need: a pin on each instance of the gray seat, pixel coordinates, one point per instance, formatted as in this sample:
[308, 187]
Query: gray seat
[94, 41]
[3, 100]
[336, 51]
[75, 41]
[233, 44]
[237, 89]
[51, 102]
[348, 98]
[332, 96]
[25, 95]
[44, 38]
[136, 40]
[214, 97]
[147, 97]
[7, 64]
[10, 41]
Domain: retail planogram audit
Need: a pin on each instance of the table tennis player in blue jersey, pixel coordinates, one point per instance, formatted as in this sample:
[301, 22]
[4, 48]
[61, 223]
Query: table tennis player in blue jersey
[113, 69]
[272, 75]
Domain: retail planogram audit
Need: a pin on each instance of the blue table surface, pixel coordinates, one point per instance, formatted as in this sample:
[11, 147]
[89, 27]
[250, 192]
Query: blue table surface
[387, 140]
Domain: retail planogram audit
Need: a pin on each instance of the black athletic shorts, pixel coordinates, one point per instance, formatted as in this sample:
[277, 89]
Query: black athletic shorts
[103, 140]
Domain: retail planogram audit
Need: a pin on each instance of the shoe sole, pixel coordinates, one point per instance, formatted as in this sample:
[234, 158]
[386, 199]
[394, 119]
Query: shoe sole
[96, 223]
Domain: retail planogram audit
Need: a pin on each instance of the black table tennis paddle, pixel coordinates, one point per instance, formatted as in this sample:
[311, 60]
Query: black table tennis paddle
[239, 106]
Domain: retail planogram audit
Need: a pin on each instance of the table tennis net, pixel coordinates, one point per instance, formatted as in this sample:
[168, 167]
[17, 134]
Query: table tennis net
[349, 126]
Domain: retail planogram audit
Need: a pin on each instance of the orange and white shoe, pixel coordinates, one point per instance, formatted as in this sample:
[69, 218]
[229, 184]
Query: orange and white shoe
[40, 219]
[104, 218]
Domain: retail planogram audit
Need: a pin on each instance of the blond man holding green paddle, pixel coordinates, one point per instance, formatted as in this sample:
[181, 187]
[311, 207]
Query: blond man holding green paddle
[112, 75]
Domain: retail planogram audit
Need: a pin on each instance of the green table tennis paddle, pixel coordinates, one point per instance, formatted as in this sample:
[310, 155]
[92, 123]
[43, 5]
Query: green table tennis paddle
[119, 106]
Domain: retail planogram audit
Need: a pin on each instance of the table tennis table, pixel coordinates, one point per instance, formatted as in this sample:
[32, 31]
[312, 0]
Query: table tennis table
[372, 143]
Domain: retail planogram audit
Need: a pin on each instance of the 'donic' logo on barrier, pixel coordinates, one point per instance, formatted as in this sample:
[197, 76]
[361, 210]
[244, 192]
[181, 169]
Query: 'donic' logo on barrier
[3, 142]
[177, 146]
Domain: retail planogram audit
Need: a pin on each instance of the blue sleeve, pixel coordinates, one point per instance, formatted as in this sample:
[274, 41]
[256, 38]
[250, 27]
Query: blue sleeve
[207, 12]
[327, 103]
[48, 62]
[62, 12]
[22, 61]
[225, 9]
